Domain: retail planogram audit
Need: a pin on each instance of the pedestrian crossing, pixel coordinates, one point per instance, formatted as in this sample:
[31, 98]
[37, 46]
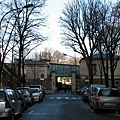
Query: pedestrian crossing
[65, 98]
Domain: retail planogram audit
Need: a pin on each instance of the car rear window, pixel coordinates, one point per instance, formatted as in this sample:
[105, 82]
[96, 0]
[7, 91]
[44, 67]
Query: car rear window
[25, 91]
[2, 95]
[108, 92]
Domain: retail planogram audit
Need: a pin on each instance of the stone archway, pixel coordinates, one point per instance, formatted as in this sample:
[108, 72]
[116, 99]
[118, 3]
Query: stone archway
[73, 82]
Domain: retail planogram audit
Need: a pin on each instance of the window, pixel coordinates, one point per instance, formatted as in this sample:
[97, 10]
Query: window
[108, 92]
[2, 95]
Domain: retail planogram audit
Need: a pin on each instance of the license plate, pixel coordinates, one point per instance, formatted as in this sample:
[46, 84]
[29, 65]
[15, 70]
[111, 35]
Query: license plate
[110, 104]
[2, 107]
[1, 113]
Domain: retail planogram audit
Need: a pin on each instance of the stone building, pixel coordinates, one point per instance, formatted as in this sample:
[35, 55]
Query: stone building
[84, 74]
[37, 72]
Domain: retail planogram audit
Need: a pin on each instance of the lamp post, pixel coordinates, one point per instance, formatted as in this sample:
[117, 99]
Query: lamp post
[75, 69]
[75, 62]
[1, 47]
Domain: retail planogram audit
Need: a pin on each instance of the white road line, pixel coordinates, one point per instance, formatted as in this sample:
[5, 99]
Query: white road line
[30, 112]
[74, 98]
[51, 98]
[58, 98]
[79, 98]
[39, 113]
[66, 98]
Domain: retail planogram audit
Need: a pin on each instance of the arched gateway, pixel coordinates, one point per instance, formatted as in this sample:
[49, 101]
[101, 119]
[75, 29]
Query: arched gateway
[47, 74]
[64, 71]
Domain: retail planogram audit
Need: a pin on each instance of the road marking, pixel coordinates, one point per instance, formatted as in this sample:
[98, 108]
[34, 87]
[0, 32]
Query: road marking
[51, 98]
[58, 98]
[66, 98]
[74, 98]
[39, 113]
[30, 112]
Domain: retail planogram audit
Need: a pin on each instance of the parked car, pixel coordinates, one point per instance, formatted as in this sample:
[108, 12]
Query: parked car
[85, 95]
[91, 90]
[106, 99]
[10, 106]
[27, 93]
[81, 90]
[37, 94]
[20, 96]
[40, 87]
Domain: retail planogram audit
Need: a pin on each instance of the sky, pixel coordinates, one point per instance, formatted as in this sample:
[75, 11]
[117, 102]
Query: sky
[54, 10]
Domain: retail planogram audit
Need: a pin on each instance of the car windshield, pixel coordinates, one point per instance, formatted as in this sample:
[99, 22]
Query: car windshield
[109, 92]
[25, 91]
[34, 90]
[2, 95]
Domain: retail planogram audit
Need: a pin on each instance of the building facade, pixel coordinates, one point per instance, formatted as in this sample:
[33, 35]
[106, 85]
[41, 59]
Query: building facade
[98, 76]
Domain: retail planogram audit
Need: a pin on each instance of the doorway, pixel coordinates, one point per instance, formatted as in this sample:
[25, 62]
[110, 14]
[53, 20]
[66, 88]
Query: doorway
[63, 84]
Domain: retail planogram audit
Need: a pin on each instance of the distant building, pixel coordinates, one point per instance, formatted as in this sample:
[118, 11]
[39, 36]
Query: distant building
[97, 72]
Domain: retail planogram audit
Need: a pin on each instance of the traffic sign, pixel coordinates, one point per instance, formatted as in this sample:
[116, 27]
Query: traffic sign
[42, 77]
[87, 77]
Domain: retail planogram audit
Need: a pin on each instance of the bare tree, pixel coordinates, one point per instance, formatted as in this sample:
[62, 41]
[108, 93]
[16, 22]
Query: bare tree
[46, 53]
[57, 57]
[6, 30]
[74, 61]
[80, 21]
[54, 56]
[27, 19]
[90, 27]
[108, 41]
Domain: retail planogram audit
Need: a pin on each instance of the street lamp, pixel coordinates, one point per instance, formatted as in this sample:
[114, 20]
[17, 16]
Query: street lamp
[26, 6]
[75, 66]
[72, 57]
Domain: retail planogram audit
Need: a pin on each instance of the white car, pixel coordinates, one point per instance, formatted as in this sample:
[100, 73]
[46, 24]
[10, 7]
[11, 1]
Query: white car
[37, 94]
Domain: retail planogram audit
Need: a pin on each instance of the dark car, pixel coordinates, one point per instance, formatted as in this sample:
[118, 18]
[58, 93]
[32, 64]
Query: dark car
[85, 95]
[106, 99]
[20, 96]
[27, 93]
[81, 90]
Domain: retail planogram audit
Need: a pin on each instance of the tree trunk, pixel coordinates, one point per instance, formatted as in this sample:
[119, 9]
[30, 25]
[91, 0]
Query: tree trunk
[112, 70]
[90, 69]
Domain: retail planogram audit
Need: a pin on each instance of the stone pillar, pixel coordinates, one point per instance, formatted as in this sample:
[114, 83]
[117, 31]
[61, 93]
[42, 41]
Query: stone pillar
[73, 82]
[54, 81]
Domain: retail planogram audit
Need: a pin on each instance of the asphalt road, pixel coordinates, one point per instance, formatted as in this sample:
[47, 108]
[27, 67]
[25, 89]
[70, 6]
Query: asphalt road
[65, 107]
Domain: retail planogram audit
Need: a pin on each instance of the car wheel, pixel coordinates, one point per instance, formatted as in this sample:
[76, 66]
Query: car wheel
[26, 107]
[95, 109]
[21, 111]
[39, 100]
[90, 104]
[83, 98]
[12, 116]
[42, 99]
[118, 111]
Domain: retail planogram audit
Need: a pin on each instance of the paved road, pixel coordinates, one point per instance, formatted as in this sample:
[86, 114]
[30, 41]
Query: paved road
[64, 107]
